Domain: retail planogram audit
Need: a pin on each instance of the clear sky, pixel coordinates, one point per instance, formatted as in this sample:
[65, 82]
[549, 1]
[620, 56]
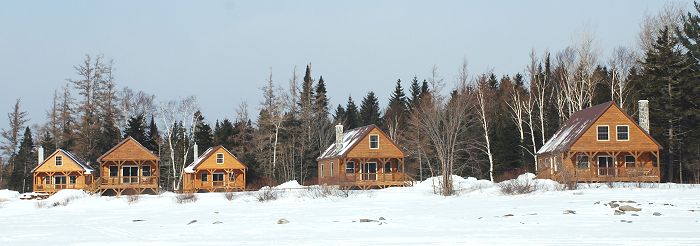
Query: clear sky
[222, 51]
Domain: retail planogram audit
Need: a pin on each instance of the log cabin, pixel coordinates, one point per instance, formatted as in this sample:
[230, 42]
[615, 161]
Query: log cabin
[601, 143]
[128, 169]
[362, 158]
[61, 170]
[216, 170]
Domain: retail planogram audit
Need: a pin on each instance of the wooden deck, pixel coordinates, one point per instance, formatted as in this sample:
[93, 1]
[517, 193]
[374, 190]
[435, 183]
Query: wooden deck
[120, 185]
[370, 180]
[605, 175]
[53, 188]
[212, 186]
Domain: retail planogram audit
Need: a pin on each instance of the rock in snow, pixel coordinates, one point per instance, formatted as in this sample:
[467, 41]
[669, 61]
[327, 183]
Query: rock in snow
[282, 221]
[628, 208]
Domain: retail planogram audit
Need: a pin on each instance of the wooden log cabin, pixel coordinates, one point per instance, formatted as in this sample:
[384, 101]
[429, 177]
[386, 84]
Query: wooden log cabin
[362, 158]
[216, 170]
[601, 144]
[61, 170]
[128, 169]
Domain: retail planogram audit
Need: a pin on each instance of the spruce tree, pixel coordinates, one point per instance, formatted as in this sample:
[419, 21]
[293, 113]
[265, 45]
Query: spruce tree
[339, 116]
[152, 136]
[415, 93]
[369, 110]
[21, 177]
[48, 143]
[669, 82]
[352, 116]
[203, 134]
[135, 129]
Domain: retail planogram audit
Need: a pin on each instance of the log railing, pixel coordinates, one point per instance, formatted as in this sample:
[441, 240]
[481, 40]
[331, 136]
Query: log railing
[132, 180]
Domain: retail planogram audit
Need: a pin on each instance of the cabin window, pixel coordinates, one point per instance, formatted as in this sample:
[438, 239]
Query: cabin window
[219, 158]
[146, 171]
[59, 160]
[321, 170]
[72, 179]
[374, 141]
[203, 176]
[350, 167]
[623, 133]
[232, 177]
[582, 161]
[387, 167]
[47, 180]
[603, 133]
[113, 171]
[217, 177]
[630, 161]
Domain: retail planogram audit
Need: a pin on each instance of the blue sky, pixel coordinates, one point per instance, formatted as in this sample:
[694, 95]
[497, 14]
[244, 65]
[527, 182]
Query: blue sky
[222, 51]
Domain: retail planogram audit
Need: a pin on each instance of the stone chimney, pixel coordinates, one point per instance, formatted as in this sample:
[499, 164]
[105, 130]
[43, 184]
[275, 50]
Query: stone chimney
[644, 114]
[338, 137]
[196, 151]
[40, 154]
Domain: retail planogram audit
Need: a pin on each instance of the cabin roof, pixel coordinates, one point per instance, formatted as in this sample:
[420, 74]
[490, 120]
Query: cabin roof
[350, 138]
[116, 147]
[192, 166]
[75, 158]
[576, 126]
[573, 128]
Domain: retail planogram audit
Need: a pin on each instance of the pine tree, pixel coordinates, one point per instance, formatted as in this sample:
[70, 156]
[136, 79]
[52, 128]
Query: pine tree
[223, 134]
[48, 143]
[21, 177]
[369, 110]
[135, 129]
[352, 116]
[397, 113]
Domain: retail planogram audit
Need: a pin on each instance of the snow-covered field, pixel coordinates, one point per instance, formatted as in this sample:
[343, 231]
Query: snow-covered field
[479, 215]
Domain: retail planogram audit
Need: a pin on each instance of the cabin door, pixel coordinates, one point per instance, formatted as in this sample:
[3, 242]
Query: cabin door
[59, 182]
[606, 167]
[130, 174]
[370, 172]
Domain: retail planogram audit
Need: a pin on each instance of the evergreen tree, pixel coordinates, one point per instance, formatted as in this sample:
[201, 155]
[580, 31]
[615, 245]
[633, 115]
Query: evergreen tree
[203, 134]
[415, 93]
[152, 136]
[339, 116]
[223, 134]
[21, 177]
[135, 129]
[396, 114]
[352, 115]
[669, 83]
[48, 143]
[108, 138]
[369, 110]
[424, 89]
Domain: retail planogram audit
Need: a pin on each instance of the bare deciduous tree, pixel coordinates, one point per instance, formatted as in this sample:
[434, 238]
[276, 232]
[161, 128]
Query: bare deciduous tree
[172, 112]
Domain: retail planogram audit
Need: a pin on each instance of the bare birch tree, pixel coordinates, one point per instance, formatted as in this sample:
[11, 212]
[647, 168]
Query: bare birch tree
[483, 106]
[172, 112]
[621, 63]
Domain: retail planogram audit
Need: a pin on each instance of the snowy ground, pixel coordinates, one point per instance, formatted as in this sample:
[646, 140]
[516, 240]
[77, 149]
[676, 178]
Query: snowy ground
[480, 215]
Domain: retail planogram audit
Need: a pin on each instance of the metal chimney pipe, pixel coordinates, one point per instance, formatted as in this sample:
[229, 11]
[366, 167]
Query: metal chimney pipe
[338, 137]
[644, 114]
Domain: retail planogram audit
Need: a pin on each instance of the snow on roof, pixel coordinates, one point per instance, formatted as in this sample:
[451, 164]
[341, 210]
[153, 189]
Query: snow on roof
[75, 158]
[573, 128]
[350, 138]
[190, 168]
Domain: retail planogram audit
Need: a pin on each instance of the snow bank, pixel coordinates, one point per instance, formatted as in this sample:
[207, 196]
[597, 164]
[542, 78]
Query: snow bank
[459, 183]
[292, 184]
[62, 198]
[8, 194]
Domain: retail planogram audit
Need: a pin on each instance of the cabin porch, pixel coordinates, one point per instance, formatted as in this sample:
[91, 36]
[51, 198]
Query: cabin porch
[128, 177]
[367, 173]
[52, 182]
[214, 180]
[597, 166]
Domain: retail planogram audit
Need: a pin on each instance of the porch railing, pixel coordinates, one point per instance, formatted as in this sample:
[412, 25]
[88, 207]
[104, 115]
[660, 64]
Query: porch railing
[129, 180]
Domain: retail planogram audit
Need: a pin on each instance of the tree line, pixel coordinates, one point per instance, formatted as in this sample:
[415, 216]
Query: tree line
[483, 125]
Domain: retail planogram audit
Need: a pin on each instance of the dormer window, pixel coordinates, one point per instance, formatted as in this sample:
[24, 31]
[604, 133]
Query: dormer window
[374, 141]
[219, 158]
[59, 160]
[603, 133]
